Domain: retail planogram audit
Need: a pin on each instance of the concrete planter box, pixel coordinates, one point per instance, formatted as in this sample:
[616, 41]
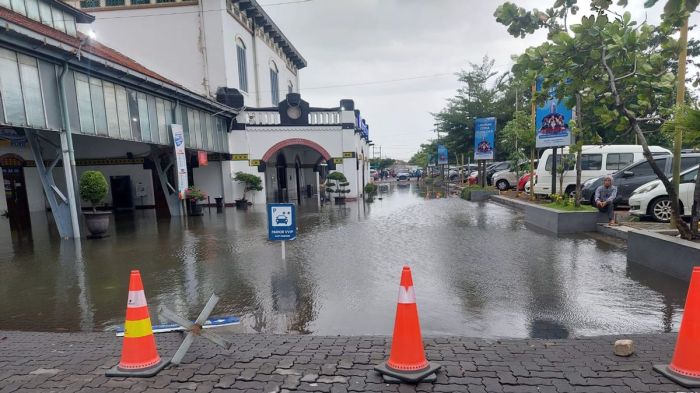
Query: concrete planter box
[666, 254]
[555, 221]
[479, 195]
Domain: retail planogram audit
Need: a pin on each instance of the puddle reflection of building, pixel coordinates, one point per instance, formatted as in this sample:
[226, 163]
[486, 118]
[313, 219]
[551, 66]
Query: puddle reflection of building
[292, 296]
[73, 270]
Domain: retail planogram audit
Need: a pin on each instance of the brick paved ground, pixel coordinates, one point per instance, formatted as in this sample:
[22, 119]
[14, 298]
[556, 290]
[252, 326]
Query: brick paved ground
[67, 362]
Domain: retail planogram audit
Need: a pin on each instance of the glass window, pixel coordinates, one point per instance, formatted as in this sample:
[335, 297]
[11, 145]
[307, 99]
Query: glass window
[689, 177]
[687, 162]
[31, 87]
[11, 88]
[6, 3]
[274, 84]
[70, 25]
[197, 140]
[138, 2]
[162, 125]
[123, 113]
[570, 161]
[242, 65]
[89, 3]
[18, 7]
[143, 117]
[169, 119]
[33, 9]
[644, 169]
[191, 128]
[204, 142]
[186, 123]
[134, 115]
[114, 3]
[58, 20]
[617, 161]
[82, 90]
[111, 109]
[153, 119]
[98, 106]
[45, 14]
[591, 162]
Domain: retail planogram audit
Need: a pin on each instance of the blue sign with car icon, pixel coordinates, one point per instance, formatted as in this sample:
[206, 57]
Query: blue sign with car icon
[281, 221]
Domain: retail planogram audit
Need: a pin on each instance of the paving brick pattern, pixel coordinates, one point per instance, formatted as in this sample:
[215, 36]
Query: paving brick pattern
[70, 362]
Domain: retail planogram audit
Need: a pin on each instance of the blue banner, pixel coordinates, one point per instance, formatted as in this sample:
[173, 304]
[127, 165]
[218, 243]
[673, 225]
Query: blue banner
[442, 155]
[552, 121]
[281, 221]
[484, 137]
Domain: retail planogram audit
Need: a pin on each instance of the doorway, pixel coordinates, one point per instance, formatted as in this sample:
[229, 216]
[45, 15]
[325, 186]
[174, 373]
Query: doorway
[281, 178]
[15, 190]
[297, 173]
[122, 198]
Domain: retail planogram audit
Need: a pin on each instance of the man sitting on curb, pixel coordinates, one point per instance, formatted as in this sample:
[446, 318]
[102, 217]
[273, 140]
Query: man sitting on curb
[604, 197]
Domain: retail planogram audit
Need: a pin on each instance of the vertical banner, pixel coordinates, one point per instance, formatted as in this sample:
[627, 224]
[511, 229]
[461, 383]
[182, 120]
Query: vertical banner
[484, 137]
[552, 121]
[202, 158]
[180, 158]
[442, 155]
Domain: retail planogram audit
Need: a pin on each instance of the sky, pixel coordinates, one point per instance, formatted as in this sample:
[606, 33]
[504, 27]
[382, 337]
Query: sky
[397, 59]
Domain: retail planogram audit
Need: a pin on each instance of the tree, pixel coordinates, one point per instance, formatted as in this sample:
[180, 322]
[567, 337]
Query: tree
[517, 139]
[251, 183]
[93, 187]
[382, 163]
[620, 67]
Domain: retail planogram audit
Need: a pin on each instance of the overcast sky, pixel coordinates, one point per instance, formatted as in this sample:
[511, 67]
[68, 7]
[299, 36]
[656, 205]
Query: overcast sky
[350, 45]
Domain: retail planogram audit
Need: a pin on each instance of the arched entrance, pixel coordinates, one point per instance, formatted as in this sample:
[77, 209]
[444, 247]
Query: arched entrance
[291, 166]
[15, 189]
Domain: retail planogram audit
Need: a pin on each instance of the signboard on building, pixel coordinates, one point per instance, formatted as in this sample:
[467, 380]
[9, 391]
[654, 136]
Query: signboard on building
[180, 158]
[281, 221]
[202, 158]
[552, 122]
[484, 138]
[442, 155]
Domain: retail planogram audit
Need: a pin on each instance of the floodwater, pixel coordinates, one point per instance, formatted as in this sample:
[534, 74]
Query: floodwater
[477, 270]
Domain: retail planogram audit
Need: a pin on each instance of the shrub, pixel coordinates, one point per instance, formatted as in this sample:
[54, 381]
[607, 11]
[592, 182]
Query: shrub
[195, 193]
[252, 182]
[93, 187]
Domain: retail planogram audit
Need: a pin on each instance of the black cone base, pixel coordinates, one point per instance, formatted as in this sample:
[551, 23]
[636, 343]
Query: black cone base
[395, 376]
[688, 382]
[142, 373]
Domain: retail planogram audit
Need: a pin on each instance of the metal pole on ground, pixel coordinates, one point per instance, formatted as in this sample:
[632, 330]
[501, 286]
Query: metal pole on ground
[284, 253]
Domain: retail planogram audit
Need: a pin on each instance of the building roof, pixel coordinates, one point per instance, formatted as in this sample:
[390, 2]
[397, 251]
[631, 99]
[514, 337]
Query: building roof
[255, 11]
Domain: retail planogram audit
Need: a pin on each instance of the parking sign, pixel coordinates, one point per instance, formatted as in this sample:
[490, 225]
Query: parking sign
[281, 221]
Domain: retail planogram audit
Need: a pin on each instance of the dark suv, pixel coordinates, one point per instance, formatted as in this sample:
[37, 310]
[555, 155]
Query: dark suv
[635, 175]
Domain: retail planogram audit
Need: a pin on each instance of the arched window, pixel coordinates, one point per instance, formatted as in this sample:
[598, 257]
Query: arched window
[242, 65]
[290, 87]
[274, 83]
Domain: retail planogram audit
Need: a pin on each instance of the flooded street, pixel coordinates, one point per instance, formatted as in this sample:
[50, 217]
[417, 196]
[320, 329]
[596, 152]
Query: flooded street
[477, 270]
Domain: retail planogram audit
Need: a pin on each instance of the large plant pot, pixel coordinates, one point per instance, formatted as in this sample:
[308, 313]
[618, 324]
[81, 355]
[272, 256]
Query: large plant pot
[241, 203]
[194, 209]
[97, 224]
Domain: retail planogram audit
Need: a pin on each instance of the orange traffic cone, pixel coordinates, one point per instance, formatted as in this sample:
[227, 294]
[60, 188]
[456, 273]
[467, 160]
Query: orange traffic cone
[139, 353]
[407, 360]
[685, 365]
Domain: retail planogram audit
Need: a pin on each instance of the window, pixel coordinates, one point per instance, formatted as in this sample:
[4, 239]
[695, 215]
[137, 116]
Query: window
[274, 84]
[204, 141]
[70, 25]
[290, 88]
[134, 115]
[153, 119]
[123, 113]
[11, 88]
[98, 106]
[687, 162]
[162, 125]
[90, 3]
[143, 117]
[45, 14]
[138, 2]
[58, 20]
[6, 3]
[164, 1]
[33, 9]
[18, 7]
[114, 3]
[617, 161]
[591, 162]
[644, 169]
[242, 65]
[570, 160]
[82, 91]
[689, 177]
[31, 89]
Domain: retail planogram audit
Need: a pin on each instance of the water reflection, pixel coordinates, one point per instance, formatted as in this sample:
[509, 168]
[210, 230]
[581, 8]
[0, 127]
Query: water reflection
[478, 272]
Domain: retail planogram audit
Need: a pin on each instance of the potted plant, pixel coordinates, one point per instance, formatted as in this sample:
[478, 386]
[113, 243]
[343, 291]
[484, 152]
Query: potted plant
[194, 195]
[93, 189]
[251, 183]
[370, 191]
[336, 185]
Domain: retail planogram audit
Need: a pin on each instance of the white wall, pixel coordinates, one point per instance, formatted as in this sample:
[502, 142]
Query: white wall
[208, 179]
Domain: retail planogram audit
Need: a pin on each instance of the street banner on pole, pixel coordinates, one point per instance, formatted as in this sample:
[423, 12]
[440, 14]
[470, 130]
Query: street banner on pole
[442, 155]
[552, 122]
[180, 158]
[484, 136]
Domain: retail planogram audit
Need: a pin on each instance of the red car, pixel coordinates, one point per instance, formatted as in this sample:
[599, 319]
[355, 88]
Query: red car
[524, 179]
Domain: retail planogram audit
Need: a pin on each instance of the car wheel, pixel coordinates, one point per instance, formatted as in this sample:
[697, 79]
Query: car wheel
[502, 185]
[570, 191]
[660, 210]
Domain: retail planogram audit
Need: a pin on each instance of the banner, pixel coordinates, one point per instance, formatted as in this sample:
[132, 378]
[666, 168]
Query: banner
[202, 158]
[442, 155]
[484, 137]
[552, 122]
[180, 158]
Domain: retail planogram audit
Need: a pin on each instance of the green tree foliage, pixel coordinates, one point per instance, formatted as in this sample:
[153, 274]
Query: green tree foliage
[427, 151]
[93, 187]
[251, 182]
[381, 163]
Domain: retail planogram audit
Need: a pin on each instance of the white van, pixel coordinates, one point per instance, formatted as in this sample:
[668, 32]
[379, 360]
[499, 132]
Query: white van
[596, 160]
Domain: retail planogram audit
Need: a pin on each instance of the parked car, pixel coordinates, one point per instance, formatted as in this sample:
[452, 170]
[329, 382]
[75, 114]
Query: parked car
[596, 160]
[403, 179]
[507, 179]
[493, 168]
[374, 174]
[652, 200]
[524, 182]
[634, 176]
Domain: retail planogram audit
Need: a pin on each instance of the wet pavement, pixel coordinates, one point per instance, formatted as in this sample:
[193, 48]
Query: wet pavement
[477, 269]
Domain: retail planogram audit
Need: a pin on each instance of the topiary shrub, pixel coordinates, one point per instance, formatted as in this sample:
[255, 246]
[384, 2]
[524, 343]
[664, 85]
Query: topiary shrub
[251, 182]
[93, 187]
